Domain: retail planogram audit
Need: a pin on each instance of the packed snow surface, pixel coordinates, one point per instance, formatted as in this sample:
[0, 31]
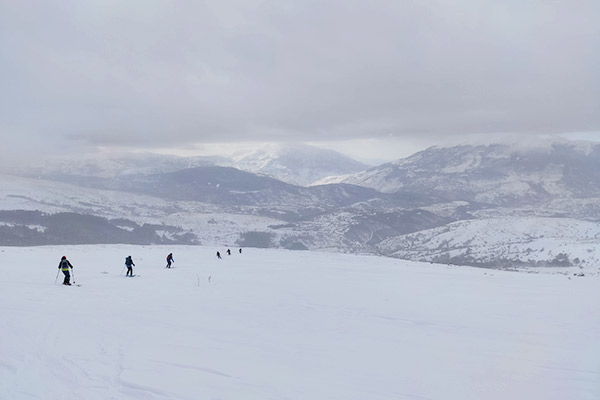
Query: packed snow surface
[274, 324]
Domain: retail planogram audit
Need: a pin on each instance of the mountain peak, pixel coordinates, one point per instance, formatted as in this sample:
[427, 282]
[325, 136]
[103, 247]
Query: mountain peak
[299, 164]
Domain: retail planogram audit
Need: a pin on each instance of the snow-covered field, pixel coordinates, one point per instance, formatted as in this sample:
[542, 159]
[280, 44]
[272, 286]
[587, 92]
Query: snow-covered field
[274, 324]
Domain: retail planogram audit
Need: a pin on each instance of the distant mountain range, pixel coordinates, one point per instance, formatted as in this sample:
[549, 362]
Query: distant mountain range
[497, 205]
[497, 174]
[299, 165]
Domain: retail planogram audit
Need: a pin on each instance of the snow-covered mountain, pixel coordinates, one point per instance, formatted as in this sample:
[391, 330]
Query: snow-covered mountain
[498, 174]
[461, 205]
[212, 204]
[297, 164]
[503, 242]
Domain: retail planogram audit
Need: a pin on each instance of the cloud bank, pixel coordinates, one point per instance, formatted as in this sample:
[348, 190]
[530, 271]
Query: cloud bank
[154, 73]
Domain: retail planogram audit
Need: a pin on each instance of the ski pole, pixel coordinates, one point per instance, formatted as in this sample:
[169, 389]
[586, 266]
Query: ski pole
[72, 273]
[56, 280]
[122, 271]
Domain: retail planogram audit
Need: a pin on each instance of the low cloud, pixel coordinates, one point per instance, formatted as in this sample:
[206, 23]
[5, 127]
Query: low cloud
[149, 73]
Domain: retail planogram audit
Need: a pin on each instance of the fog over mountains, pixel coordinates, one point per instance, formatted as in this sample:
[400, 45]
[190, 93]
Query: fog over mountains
[497, 205]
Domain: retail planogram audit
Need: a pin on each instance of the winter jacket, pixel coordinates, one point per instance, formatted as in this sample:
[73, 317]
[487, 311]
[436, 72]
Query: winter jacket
[64, 265]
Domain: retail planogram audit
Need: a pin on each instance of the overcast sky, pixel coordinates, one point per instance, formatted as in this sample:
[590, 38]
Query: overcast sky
[373, 77]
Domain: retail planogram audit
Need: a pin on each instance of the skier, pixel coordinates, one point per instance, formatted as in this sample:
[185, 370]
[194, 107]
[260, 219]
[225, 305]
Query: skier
[218, 255]
[228, 252]
[170, 260]
[64, 265]
[129, 263]
[240, 251]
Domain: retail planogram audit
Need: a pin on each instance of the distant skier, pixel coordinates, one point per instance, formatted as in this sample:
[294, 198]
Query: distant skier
[129, 264]
[228, 252]
[218, 255]
[240, 251]
[64, 265]
[170, 260]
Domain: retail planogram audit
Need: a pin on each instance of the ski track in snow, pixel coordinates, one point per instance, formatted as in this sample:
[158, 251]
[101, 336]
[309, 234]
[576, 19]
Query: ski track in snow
[276, 324]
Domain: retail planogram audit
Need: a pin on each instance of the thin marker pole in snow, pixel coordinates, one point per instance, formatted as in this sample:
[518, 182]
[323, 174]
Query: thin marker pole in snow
[209, 278]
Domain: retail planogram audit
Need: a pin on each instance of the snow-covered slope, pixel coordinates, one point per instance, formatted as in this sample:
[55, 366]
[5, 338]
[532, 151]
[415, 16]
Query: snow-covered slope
[273, 324]
[504, 242]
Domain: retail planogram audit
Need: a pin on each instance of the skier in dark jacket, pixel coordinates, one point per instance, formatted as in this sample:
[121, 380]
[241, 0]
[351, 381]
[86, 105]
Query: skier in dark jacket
[64, 266]
[129, 263]
[228, 252]
[170, 260]
[218, 255]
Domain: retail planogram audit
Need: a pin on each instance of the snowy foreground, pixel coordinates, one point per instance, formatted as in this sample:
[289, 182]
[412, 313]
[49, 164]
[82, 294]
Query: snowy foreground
[272, 324]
